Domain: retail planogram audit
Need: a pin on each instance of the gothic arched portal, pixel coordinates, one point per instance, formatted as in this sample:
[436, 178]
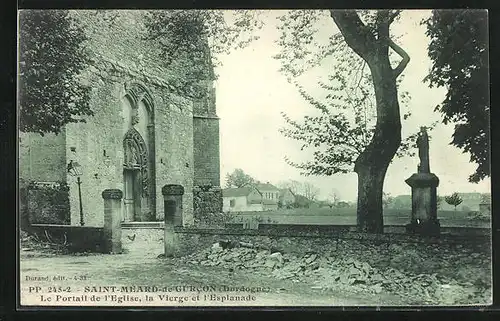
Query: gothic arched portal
[139, 157]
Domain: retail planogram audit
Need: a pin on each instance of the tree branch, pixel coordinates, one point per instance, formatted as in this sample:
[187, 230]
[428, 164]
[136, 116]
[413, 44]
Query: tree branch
[356, 34]
[383, 22]
[402, 64]
[393, 15]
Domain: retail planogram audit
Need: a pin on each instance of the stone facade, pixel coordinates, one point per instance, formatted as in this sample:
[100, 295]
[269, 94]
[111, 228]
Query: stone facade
[206, 141]
[132, 95]
[42, 159]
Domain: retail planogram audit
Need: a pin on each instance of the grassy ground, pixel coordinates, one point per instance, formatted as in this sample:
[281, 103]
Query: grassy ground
[347, 216]
[326, 211]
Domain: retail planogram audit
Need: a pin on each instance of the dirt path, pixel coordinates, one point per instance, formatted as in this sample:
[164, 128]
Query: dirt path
[81, 277]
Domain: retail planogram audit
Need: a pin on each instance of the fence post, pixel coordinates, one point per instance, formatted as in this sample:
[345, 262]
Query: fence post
[172, 202]
[112, 220]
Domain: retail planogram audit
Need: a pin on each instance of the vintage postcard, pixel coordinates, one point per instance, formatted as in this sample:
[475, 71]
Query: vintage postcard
[217, 158]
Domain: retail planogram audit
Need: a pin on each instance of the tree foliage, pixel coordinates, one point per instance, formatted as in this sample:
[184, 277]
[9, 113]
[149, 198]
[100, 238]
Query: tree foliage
[453, 199]
[305, 189]
[238, 178]
[310, 191]
[343, 120]
[459, 53]
[387, 200]
[199, 36]
[51, 56]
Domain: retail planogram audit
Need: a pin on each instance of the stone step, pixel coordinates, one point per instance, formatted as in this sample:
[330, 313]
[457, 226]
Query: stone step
[143, 225]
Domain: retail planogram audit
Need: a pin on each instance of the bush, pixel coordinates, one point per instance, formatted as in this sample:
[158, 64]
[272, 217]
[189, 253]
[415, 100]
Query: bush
[477, 215]
[45, 203]
[207, 201]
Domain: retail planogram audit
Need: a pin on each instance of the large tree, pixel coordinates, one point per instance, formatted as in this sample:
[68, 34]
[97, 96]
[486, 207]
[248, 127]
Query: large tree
[367, 36]
[371, 41]
[459, 53]
[51, 55]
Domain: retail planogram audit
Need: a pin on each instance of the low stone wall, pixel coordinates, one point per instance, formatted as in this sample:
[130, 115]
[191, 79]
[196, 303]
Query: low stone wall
[143, 240]
[106, 239]
[76, 238]
[191, 240]
[332, 230]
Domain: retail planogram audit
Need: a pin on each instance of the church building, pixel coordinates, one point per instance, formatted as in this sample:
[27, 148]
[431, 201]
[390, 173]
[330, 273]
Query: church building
[144, 133]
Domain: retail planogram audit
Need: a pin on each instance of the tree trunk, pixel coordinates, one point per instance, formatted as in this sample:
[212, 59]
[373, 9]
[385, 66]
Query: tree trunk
[371, 165]
[370, 209]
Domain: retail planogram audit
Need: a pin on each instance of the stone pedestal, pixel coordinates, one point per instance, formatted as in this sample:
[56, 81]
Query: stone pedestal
[424, 204]
[172, 198]
[112, 220]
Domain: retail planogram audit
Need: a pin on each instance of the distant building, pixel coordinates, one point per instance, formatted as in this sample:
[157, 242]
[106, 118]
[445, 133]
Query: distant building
[256, 197]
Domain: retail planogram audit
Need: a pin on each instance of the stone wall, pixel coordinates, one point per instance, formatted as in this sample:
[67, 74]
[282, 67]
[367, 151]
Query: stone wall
[206, 141]
[143, 241]
[175, 149]
[75, 238]
[287, 239]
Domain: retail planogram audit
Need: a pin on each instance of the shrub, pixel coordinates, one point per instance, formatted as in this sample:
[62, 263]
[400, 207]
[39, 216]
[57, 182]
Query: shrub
[207, 200]
[46, 203]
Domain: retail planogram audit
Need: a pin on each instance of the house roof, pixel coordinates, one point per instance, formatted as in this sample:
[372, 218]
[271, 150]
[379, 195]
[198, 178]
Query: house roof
[246, 190]
[235, 192]
[266, 187]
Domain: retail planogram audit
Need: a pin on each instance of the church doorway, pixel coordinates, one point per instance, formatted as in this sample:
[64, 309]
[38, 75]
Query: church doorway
[139, 188]
[136, 178]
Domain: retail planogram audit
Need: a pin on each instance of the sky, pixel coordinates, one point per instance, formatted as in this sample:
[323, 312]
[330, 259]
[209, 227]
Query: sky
[251, 93]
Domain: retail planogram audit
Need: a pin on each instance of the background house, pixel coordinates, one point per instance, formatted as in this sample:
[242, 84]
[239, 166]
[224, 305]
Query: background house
[255, 197]
[243, 199]
[270, 195]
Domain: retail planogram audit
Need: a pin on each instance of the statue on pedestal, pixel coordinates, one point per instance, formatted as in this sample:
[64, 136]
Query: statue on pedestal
[424, 192]
[423, 151]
